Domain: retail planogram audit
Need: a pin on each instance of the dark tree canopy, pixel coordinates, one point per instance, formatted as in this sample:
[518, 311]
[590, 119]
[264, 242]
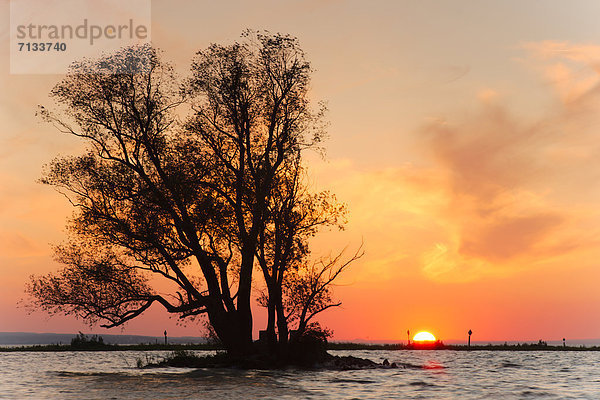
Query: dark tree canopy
[198, 182]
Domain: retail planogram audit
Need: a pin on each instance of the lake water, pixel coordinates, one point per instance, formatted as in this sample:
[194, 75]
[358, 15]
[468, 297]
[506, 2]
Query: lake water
[423, 375]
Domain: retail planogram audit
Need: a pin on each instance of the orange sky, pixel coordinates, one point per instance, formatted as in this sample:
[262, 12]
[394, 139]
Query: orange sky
[463, 137]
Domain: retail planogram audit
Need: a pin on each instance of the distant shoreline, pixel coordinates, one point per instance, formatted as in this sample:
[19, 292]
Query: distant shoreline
[109, 347]
[330, 346]
[461, 347]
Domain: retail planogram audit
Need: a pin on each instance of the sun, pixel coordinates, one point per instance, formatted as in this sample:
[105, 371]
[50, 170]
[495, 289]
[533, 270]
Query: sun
[424, 336]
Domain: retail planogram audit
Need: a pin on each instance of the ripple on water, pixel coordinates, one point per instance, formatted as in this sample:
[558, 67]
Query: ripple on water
[408, 365]
[535, 393]
[422, 384]
[508, 364]
[433, 365]
[359, 381]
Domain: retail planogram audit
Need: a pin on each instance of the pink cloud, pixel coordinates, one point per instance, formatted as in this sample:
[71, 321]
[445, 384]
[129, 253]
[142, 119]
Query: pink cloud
[573, 69]
[508, 237]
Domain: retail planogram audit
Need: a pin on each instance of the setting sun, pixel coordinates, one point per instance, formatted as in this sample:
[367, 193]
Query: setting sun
[424, 336]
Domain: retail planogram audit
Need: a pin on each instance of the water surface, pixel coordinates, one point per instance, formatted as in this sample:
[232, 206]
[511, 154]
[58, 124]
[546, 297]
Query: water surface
[423, 375]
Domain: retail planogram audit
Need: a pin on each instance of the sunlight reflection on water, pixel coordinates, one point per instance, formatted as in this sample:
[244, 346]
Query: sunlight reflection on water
[422, 374]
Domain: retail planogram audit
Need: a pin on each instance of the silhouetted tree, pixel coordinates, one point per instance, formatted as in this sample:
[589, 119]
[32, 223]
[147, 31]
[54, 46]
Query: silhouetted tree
[195, 203]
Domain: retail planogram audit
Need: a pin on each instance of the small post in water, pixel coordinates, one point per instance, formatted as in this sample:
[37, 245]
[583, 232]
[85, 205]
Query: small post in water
[470, 332]
[564, 342]
[165, 337]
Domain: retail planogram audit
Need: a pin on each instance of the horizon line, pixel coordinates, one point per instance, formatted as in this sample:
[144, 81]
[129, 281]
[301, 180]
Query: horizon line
[339, 340]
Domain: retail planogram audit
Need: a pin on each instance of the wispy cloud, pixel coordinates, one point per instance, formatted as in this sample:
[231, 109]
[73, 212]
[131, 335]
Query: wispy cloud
[496, 193]
[573, 69]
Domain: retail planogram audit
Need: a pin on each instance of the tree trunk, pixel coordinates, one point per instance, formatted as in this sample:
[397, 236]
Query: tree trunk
[243, 315]
[227, 327]
[282, 325]
[271, 335]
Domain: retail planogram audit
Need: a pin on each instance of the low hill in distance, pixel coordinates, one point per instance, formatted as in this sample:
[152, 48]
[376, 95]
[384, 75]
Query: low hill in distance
[29, 338]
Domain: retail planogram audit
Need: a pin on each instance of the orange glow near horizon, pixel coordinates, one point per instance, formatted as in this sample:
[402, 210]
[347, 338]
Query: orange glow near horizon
[469, 169]
[424, 336]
